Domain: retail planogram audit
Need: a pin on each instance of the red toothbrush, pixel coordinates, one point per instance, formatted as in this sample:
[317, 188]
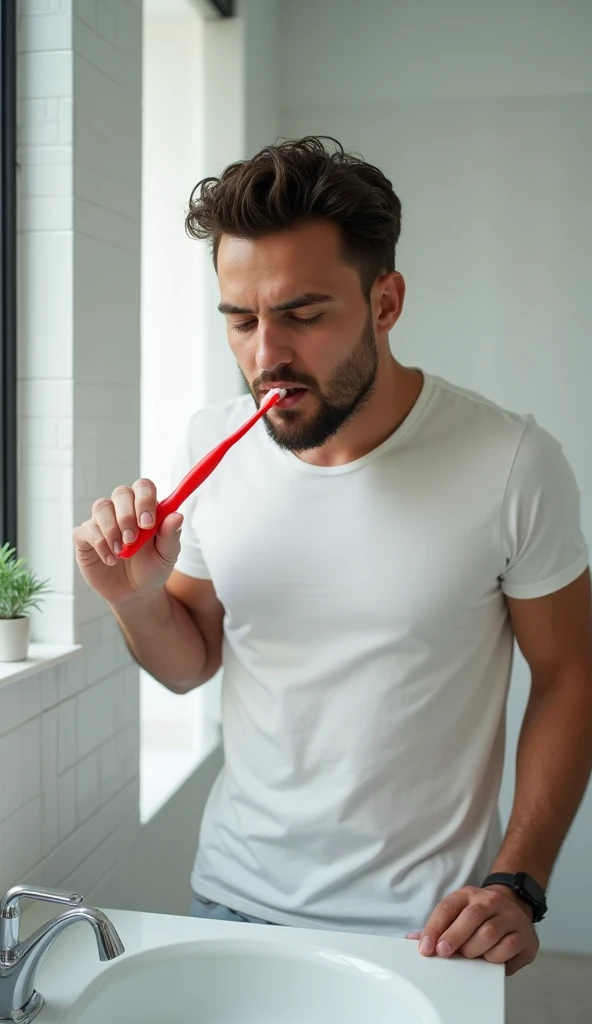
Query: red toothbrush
[199, 473]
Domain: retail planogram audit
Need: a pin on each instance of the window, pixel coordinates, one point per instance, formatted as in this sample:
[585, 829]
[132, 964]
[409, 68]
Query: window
[8, 445]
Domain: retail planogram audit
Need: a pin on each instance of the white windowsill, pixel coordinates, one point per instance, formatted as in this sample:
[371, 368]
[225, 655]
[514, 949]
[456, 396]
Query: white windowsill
[41, 656]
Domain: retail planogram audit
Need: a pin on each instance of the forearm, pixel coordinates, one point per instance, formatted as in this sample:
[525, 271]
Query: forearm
[164, 639]
[553, 766]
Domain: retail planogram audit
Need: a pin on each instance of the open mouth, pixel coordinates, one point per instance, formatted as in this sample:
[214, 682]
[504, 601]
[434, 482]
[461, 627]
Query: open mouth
[293, 398]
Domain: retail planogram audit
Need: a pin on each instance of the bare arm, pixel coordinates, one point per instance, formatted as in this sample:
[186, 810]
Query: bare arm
[175, 632]
[553, 766]
[554, 757]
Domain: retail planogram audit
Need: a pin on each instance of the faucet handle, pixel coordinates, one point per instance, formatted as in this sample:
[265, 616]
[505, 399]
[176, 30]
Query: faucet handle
[11, 903]
[10, 909]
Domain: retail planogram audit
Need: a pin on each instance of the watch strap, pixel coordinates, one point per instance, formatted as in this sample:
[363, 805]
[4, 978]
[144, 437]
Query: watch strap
[517, 884]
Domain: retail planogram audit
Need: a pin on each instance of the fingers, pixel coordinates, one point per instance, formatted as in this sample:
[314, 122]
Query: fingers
[122, 518]
[523, 959]
[89, 541]
[440, 920]
[118, 517]
[145, 502]
[480, 923]
[168, 538]
[478, 927]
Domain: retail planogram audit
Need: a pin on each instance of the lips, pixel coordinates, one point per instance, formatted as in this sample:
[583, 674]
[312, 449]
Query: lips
[292, 399]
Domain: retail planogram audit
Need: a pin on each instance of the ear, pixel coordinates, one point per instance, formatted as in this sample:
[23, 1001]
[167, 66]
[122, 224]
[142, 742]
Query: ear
[388, 296]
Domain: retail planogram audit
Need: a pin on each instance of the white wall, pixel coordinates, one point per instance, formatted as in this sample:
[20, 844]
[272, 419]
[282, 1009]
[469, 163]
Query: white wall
[480, 113]
[69, 734]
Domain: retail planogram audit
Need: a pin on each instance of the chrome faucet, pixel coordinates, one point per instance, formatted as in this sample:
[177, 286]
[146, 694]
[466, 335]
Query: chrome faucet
[20, 961]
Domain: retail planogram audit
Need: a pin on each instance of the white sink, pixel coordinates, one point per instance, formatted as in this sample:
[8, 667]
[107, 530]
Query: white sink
[238, 982]
[191, 971]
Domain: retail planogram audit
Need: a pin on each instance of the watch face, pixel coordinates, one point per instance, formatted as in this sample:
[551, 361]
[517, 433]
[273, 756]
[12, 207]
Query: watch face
[531, 888]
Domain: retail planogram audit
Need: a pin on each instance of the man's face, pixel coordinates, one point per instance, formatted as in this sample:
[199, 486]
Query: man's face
[297, 318]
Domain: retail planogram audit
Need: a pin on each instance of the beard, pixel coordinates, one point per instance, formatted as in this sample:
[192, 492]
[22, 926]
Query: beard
[347, 390]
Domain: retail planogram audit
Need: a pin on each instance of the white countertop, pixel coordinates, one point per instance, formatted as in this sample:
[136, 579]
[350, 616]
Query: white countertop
[463, 987]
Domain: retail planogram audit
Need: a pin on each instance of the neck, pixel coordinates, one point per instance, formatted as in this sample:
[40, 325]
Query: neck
[395, 392]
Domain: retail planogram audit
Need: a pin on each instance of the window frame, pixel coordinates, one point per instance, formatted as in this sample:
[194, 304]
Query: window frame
[8, 262]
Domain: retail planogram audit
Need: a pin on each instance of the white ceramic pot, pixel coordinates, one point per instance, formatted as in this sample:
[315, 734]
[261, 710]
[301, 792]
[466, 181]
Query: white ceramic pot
[14, 639]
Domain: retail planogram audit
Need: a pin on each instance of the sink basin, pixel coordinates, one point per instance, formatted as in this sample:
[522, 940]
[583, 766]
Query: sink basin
[228, 981]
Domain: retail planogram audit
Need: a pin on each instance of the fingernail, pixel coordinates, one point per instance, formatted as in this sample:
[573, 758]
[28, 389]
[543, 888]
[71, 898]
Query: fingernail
[111, 560]
[117, 547]
[426, 946]
[444, 949]
[145, 520]
[128, 536]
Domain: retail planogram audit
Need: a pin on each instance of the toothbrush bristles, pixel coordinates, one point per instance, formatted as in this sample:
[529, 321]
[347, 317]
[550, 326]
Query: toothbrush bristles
[282, 392]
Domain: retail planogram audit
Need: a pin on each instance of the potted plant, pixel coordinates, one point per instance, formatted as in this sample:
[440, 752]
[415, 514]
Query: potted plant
[20, 591]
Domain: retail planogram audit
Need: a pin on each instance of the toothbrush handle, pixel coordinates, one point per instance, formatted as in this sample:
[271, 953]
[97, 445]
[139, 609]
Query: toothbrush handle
[194, 478]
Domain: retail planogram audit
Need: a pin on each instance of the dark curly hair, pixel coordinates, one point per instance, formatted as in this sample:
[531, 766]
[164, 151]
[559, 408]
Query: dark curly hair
[294, 182]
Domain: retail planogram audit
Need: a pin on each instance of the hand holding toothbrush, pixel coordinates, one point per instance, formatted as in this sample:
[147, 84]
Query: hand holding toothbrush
[132, 523]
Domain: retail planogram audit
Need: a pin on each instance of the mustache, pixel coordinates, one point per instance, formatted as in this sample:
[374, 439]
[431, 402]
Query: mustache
[287, 377]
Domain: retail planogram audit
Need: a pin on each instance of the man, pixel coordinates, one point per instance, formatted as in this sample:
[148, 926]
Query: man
[360, 564]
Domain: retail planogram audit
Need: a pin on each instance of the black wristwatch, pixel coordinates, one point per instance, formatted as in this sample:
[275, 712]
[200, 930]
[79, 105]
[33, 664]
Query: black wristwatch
[525, 887]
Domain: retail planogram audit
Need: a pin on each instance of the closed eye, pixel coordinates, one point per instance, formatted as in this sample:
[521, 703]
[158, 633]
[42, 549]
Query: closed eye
[304, 321]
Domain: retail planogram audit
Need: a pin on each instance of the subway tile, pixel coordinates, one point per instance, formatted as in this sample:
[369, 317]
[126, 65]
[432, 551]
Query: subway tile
[121, 232]
[89, 606]
[66, 109]
[49, 816]
[41, 28]
[49, 743]
[87, 787]
[48, 684]
[54, 623]
[11, 788]
[20, 837]
[95, 721]
[44, 458]
[40, 214]
[91, 47]
[72, 852]
[30, 759]
[48, 542]
[45, 156]
[46, 397]
[109, 775]
[19, 703]
[30, 694]
[64, 433]
[67, 739]
[49, 768]
[45, 310]
[71, 677]
[39, 482]
[106, 22]
[42, 75]
[67, 803]
[48, 181]
[105, 857]
[86, 10]
[10, 708]
[35, 432]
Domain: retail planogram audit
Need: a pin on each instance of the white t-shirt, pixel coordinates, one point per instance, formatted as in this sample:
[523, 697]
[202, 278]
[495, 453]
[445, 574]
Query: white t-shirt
[367, 654]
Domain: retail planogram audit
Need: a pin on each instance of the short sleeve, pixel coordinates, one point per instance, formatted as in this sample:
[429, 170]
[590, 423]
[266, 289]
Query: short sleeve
[191, 561]
[541, 534]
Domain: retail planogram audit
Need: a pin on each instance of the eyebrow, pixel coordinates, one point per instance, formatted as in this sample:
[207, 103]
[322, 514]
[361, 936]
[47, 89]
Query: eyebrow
[308, 299]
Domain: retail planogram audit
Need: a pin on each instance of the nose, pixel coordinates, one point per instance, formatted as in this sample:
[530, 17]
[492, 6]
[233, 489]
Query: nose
[272, 348]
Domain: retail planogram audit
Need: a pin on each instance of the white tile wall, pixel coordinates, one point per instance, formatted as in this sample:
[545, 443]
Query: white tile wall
[69, 736]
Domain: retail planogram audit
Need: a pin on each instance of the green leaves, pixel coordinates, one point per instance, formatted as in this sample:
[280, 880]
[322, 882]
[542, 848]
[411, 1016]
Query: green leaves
[19, 589]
